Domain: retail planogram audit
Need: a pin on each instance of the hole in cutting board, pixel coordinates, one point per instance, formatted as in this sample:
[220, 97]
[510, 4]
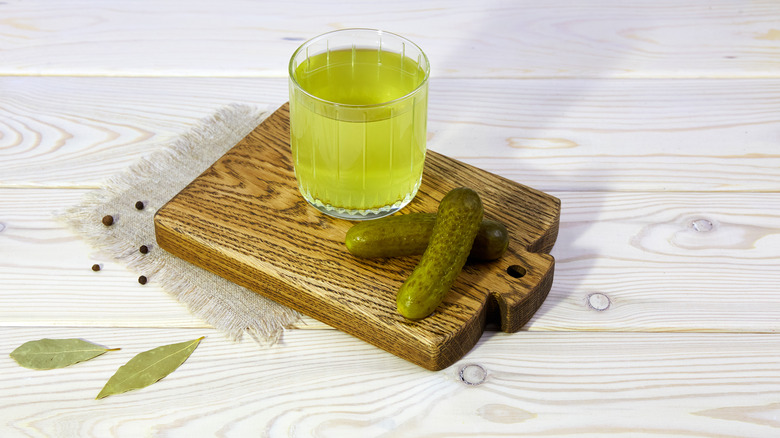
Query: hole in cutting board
[516, 271]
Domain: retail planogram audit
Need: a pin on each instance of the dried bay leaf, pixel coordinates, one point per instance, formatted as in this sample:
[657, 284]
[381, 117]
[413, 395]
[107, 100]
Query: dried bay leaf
[148, 367]
[48, 354]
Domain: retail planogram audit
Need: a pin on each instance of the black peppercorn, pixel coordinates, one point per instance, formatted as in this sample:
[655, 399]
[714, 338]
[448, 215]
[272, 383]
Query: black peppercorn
[95, 267]
[143, 249]
[142, 279]
[139, 205]
[108, 220]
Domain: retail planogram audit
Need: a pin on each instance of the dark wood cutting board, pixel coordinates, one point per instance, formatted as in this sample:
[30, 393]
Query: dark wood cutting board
[244, 220]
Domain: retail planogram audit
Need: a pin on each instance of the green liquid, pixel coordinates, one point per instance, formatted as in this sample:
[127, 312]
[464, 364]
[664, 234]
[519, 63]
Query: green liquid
[358, 158]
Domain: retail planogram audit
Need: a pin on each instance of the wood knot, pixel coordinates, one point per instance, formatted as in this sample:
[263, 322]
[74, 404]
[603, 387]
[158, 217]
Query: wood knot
[472, 374]
[598, 301]
[702, 225]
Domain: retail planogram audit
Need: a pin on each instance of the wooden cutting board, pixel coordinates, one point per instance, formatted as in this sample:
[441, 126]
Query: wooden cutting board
[244, 220]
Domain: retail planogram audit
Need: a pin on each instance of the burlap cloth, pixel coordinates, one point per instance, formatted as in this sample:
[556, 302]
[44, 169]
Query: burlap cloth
[154, 180]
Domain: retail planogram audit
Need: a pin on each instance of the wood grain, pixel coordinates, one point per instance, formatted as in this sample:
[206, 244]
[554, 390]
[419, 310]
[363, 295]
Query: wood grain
[326, 383]
[655, 123]
[658, 271]
[664, 261]
[47, 277]
[495, 38]
[245, 220]
[562, 135]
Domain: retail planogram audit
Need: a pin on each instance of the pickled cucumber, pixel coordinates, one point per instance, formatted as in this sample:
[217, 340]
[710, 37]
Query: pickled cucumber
[408, 234]
[491, 242]
[454, 231]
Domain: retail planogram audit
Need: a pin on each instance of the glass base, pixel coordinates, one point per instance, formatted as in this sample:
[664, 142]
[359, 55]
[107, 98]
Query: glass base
[358, 215]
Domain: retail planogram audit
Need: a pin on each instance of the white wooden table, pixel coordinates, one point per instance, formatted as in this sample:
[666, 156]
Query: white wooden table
[657, 123]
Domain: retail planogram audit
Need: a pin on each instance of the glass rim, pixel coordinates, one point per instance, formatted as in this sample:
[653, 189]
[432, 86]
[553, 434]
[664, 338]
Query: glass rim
[310, 41]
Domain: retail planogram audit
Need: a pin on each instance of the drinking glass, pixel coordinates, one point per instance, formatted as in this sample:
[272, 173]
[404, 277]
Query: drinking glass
[358, 114]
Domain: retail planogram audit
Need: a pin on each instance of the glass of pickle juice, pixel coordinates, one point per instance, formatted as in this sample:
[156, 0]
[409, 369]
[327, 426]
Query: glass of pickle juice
[358, 114]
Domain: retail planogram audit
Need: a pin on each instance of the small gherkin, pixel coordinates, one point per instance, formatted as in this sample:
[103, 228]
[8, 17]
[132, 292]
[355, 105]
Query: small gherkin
[457, 222]
[409, 234]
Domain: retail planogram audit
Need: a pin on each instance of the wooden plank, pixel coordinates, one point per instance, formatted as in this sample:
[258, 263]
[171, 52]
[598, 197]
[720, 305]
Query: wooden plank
[666, 262]
[48, 279]
[326, 383]
[78, 132]
[245, 220]
[561, 135]
[559, 38]
[652, 255]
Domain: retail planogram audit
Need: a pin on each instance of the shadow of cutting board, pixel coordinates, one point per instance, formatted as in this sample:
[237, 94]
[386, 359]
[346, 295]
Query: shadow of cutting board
[244, 220]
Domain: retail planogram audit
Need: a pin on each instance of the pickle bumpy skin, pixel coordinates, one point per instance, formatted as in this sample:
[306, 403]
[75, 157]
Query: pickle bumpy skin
[408, 234]
[457, 223]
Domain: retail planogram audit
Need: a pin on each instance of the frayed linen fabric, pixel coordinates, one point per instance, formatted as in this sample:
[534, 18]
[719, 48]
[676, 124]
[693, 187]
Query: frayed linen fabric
[154, 180]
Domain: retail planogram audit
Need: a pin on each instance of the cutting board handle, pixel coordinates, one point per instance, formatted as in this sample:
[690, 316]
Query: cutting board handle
[529, 277]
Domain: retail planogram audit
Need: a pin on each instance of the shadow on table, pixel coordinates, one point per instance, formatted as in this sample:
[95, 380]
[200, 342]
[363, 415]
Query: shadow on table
[542, 133]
